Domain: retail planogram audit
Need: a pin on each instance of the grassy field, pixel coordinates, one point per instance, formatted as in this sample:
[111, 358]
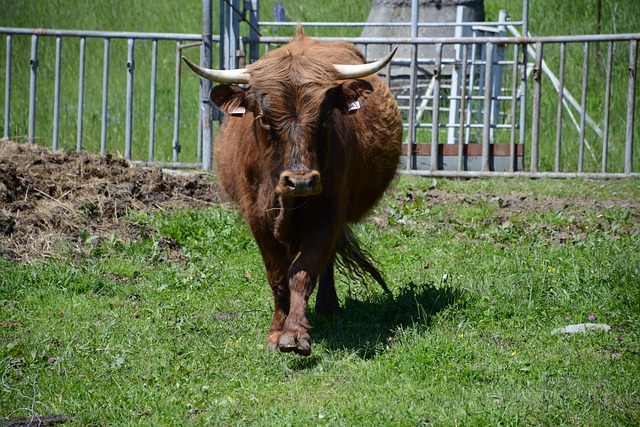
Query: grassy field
[481, 273]
[169, 327]
[547, 17]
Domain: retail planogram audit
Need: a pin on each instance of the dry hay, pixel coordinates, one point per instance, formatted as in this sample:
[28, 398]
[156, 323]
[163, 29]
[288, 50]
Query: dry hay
[53, 199]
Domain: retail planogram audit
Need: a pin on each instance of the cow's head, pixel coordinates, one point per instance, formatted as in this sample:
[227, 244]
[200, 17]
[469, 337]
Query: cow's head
[292, 98]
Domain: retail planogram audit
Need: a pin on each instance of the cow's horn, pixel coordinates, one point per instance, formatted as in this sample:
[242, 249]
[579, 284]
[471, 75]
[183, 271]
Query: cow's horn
[220, 76]
[361, 70]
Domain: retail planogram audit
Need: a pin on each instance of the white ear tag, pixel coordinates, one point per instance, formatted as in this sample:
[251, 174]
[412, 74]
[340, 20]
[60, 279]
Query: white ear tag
[238, 111]
[352, 107]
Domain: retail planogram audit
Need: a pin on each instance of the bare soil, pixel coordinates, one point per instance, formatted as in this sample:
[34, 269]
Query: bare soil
[50, 200]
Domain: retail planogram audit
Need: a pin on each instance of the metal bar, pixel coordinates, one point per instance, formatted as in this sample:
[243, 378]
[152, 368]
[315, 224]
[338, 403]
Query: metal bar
[486, 128]
[382, 24]
[83, 42]
[482, 72]
[563, 51]
[254, 35]
[56, 94]
[33, 63]
[514, 109]
[536, 175]
[461, 119]
[100, 34]
[355, 40]
[521, 40]
[523, 99]
[206, 110]
[583, 105]
[525, 17]
[387, 69]
[411, 134]
[472, 73]
[631, 102]
[200, 112]
[152, 99]
[535, 121]
[129, 109]
[175, 144]
[435, 129]
[607, 106]
[105, 97]
[7, 90]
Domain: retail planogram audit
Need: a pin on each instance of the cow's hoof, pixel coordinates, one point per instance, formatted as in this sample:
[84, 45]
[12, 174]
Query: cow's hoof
[299, 345]
[272, 346]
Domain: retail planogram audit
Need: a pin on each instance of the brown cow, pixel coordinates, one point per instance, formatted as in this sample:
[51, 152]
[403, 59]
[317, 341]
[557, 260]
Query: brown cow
[309, 146]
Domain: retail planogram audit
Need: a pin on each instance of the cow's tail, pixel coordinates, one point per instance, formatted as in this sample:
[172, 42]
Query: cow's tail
[355, 261]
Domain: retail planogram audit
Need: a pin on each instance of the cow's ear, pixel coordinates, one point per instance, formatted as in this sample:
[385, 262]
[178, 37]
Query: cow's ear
[352, 94]
[230, 99]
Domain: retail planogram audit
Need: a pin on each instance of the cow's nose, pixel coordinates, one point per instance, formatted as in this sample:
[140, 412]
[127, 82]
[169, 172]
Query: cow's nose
[298, 184]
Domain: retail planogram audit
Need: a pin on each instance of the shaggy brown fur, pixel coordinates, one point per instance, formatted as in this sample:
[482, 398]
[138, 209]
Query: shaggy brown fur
[296, 128]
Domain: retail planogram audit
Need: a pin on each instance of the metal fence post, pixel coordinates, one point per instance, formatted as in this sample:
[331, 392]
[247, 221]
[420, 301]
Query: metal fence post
[607, 106]
[205, 87]
[105, 97]
[563, 49]
[435, 120]
[129, 112]
[631, 98]
[33, 63]
[487, 116]
[523, 82]
[411, 133]
[583, 105]
[7, 90]
[535, 121]
[152, 101]
[254, 34]
[175, 144]
[83, 43]
[56, 95]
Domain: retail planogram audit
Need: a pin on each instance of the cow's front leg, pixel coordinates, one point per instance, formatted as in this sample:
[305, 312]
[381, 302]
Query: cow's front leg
[276, 266]
[280, 289]
[295, 334]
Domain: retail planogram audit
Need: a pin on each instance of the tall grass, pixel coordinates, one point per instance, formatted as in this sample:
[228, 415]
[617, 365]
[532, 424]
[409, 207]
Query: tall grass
[546, 17]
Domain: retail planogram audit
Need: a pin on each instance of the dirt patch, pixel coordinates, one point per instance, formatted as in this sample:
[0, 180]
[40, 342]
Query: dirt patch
[49, 199]
[508, 215]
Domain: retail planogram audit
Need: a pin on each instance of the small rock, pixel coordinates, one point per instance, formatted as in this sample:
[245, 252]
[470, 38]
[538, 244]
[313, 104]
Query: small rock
[581, 328]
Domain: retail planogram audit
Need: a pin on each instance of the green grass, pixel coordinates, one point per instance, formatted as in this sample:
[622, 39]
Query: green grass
[127, 334]
[547, 17]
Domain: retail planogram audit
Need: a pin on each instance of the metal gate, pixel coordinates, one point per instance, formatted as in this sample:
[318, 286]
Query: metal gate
[490, 103]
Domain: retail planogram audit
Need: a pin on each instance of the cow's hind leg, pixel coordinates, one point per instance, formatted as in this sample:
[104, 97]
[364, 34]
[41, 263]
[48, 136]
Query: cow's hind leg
[327, 299]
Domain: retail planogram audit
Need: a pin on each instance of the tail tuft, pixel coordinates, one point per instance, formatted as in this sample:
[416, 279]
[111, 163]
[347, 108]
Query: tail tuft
[355, 261]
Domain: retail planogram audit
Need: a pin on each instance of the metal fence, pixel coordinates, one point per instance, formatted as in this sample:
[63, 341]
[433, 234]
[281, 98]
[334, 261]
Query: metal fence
[509, 113]
[499, 106]
[126, 70]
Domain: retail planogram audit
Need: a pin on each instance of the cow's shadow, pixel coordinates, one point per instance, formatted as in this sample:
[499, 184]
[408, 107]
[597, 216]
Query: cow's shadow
[368, 327]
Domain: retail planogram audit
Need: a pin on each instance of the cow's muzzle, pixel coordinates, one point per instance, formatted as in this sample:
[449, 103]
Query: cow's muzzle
[299, 184]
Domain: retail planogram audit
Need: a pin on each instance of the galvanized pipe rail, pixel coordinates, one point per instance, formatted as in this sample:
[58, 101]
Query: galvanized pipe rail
[519, 77]
[192, 40]
[520, 45]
